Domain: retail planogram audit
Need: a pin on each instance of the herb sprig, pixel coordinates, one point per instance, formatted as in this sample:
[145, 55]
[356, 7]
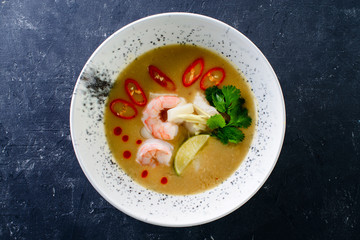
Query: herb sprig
[229, 103]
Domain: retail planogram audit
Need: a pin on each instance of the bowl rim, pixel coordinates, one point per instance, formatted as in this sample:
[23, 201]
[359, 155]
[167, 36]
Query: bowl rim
[145, 219]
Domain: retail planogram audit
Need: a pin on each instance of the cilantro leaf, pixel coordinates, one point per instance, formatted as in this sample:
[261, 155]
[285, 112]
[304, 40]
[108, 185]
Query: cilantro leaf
[236, 105]
[242, 121]
[229, 103]
[231, 94]
[216, 121]
[219, 101]
[221, 136]
[234, 134]
[229, 134]
[209, 92]
[216, 98]
[239, 116]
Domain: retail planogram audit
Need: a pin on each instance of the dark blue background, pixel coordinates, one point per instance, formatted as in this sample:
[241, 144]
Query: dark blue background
[314, 190]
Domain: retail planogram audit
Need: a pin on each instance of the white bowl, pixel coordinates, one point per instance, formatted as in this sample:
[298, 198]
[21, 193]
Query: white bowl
[87, 130]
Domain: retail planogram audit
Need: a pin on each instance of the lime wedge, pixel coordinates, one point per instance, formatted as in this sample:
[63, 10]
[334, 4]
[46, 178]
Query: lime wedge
[187, 152]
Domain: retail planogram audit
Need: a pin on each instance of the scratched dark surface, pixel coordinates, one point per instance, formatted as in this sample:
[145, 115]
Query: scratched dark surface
[314, 190]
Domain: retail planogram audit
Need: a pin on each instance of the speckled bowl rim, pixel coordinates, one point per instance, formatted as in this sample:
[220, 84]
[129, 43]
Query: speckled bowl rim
[124, 210]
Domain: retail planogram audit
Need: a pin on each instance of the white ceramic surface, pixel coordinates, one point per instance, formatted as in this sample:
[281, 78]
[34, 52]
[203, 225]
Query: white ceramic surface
[87, 129]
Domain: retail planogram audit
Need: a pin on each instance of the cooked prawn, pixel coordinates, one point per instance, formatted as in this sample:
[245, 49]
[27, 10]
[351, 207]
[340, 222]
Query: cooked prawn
[153, 152]
[152, 117]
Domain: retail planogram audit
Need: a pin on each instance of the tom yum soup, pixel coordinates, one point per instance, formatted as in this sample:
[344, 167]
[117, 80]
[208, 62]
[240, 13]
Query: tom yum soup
[180, 119]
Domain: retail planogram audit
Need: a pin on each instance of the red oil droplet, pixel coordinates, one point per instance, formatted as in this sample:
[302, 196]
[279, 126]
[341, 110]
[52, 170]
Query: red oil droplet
[117, 131]
[139, 141]
[144, 174]
[127, 154]
[164, 180]
[125, 138]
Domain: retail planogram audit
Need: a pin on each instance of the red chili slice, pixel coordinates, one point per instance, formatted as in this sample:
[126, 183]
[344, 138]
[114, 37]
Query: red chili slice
[135, 92]
[123, 109]
[161, 78]
[213, 77]
[189, 77]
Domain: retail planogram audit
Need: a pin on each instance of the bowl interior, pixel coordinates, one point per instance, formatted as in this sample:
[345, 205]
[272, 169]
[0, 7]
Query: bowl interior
[87, 131]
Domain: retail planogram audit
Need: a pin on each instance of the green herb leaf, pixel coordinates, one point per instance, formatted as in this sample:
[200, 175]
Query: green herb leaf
[216, 121]
[228, 102]
[239, 116]
[243, 120]
[221, 136]
[229, 134]
[216, 98]
[209, 92]
[219, 101]
[231, 94]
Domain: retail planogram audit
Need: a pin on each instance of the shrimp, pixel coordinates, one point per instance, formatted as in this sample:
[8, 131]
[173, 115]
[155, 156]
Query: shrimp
[152, 117]
[154, 151]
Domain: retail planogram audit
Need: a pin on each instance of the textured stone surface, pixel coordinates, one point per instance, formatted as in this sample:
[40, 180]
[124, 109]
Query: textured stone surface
[314, 190]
